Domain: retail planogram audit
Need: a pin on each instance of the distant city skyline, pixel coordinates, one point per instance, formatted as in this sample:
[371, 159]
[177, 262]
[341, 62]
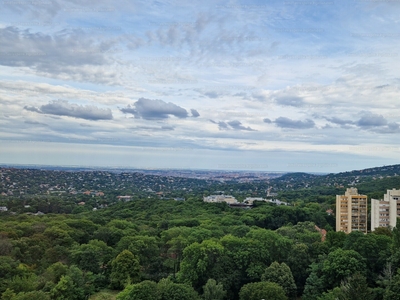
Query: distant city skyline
[286, 86]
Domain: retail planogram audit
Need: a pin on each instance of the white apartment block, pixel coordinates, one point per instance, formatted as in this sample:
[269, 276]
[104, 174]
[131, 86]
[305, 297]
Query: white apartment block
[384, 212]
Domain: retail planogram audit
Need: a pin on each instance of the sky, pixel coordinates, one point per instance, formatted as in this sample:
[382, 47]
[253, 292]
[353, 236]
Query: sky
[309, 86]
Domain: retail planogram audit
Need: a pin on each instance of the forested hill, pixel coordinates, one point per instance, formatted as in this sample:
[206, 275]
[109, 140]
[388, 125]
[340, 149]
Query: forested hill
[293, 181]
[379, 171]
[105, 187]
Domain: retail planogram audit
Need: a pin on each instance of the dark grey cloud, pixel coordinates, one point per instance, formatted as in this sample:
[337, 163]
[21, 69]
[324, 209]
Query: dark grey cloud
[290, 101]
[233, 125]
[154, 109]
[368, 121]
[33, 109]
[393, 126]
[195, 113]
[221, 125]
[295, 124]
[266, 120]
[237, 125]
[371, 120]
[64, 108]
[339, 121]
[390, 128]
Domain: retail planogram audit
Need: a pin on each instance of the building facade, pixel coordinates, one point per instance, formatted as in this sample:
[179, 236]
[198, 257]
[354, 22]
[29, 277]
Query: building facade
[384, 212]
[220, 198]
[351, 211]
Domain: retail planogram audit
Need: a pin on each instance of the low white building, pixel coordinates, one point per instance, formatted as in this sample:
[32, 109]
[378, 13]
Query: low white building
[250, 200]
[220, 198]
[278, 202]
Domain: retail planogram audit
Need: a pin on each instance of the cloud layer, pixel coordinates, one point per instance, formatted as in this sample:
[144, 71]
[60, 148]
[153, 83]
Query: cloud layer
[274, 76]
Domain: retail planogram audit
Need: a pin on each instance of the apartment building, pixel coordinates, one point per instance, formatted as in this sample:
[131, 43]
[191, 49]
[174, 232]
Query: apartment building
[351, 211]
[384, 212]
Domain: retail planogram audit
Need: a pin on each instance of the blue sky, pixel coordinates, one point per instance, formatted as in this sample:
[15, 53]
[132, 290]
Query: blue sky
[279, 85]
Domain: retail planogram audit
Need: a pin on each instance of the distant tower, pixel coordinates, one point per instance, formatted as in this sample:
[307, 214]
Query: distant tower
[351, 211]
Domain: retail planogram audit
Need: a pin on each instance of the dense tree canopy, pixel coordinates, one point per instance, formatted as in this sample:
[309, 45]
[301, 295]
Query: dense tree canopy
[262, 290]
[151, 248]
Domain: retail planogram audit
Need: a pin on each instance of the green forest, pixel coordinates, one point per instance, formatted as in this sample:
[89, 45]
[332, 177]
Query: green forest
[166, 249]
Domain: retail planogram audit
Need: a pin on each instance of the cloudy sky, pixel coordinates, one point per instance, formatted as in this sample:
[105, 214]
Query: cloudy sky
[271, 85]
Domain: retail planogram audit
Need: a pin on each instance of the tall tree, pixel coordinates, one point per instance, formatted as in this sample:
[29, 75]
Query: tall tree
[125, 270]
[355, 287]
[213, 291]
[315, 283]
[392, 291]
[281, 274]
[145, 290]
[341, 264]
[92, 256]
[198, 262]
[299, 261]
[169, 290]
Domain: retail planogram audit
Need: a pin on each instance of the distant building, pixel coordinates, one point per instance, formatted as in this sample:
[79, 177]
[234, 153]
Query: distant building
[126, 198]
[351, 211]
[230, 199]
[220, 198]
[278, 202]
[3, 208]
[240, 205]
[250, 200]
[384, 213]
